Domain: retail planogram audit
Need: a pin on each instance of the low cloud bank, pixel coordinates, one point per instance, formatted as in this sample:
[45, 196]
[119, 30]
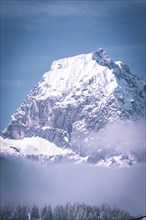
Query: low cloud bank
[26, 182]
[121, 137]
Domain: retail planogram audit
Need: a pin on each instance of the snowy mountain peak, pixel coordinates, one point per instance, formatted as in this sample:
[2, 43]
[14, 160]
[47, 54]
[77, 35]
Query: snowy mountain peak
[77, 97]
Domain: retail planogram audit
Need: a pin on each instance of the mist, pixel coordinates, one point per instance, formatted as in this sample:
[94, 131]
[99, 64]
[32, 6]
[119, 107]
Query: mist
[120, 137]
[27, 182]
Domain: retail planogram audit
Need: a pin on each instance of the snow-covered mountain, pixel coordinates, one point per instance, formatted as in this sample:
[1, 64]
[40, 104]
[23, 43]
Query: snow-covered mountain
[71, 107]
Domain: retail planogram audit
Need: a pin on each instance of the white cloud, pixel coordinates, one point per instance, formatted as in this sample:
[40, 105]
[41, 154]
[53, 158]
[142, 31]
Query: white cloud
[29, 183]
[31, 9]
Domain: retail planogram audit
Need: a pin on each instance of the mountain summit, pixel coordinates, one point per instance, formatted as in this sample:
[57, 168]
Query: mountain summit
[76, 100]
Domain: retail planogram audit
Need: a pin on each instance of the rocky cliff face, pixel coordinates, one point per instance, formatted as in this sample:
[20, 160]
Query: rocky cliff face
[78, 96]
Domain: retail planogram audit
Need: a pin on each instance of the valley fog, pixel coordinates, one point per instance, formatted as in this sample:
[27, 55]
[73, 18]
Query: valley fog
[123, 137]
[26, 182]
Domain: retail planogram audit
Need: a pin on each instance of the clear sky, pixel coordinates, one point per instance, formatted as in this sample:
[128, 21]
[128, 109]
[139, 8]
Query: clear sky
[34, 33]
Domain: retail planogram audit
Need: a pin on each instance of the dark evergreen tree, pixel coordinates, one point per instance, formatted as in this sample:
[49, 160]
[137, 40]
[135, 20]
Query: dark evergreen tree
[59, 213]
[6, 213]
[34, 213]
[43, 213]
[69, 211]
[21, 213]
[50, 212]
[46, 213]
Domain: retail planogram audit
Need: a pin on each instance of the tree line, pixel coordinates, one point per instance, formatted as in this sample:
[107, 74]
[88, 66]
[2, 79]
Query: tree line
[69, 211]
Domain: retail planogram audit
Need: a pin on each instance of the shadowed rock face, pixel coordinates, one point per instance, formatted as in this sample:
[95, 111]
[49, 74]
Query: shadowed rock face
[103, 59]
[79, 95]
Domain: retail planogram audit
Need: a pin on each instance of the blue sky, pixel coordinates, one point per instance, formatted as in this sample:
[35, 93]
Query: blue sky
[34, 33]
